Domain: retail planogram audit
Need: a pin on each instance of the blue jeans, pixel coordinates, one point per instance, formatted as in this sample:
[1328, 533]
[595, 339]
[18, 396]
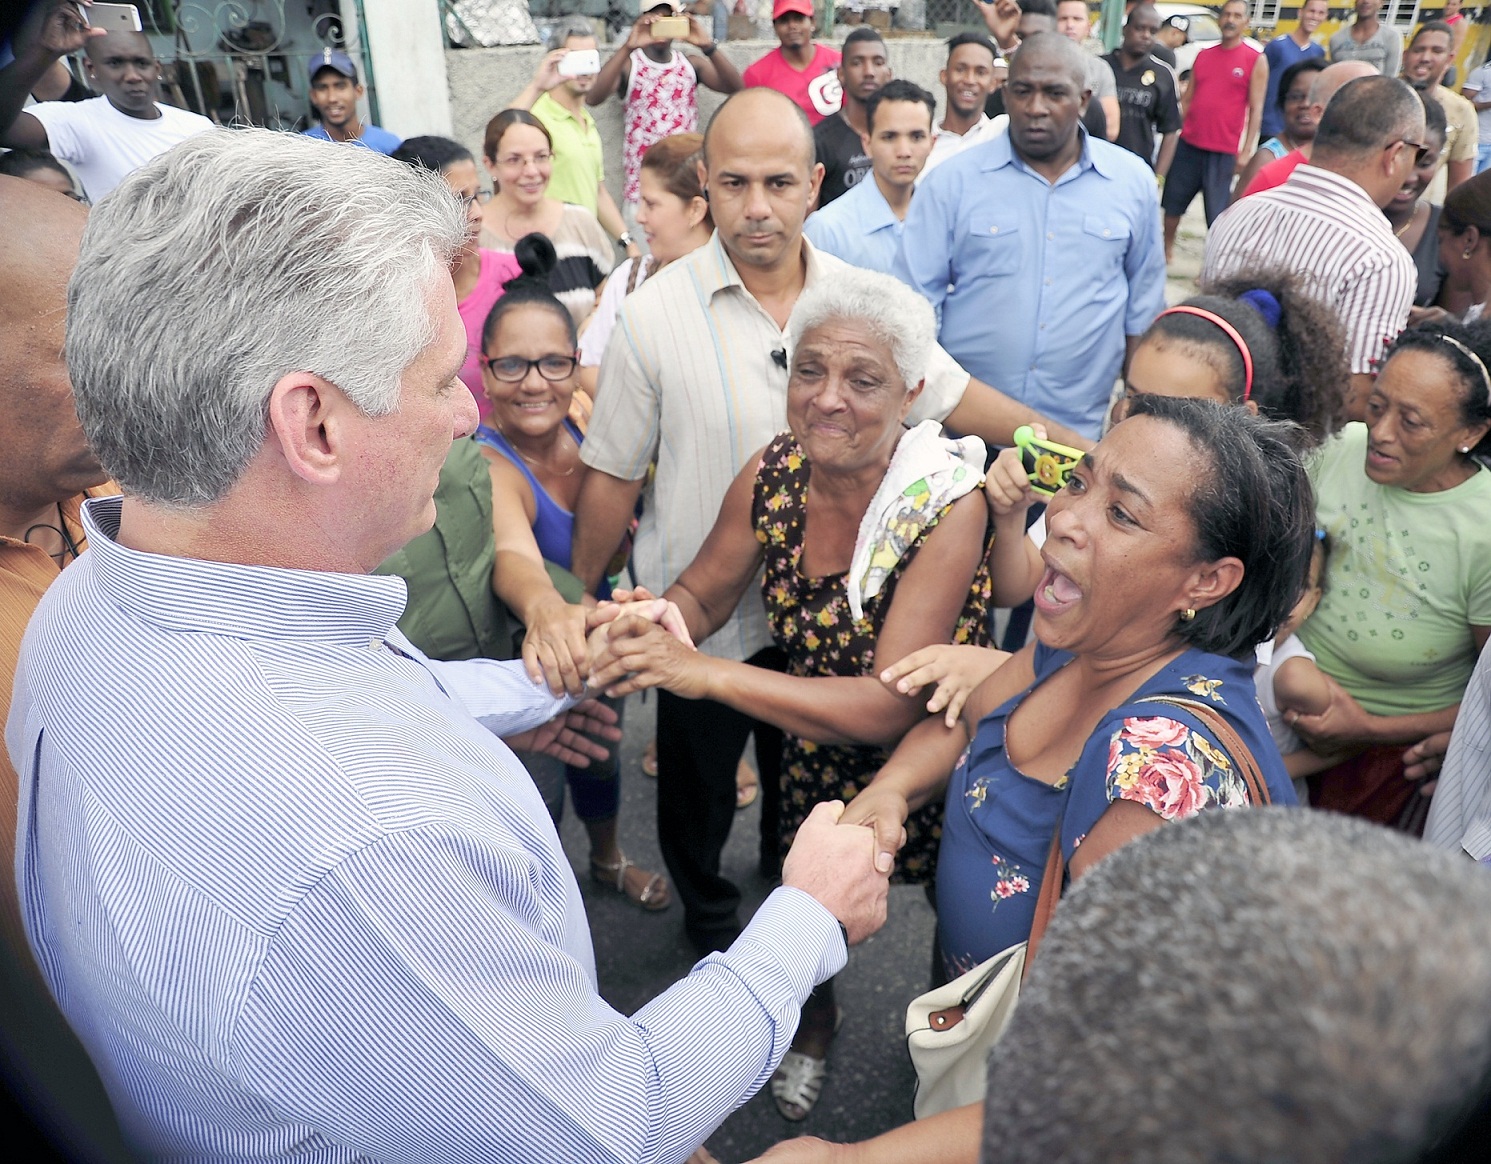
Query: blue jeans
[1483, 157]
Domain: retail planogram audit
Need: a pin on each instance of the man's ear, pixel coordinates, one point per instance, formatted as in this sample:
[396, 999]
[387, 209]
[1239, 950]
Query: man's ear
[306, 421]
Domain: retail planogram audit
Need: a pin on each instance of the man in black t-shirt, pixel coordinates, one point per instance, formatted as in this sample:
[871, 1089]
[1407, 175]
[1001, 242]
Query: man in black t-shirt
[1147, 101]
[839, 139]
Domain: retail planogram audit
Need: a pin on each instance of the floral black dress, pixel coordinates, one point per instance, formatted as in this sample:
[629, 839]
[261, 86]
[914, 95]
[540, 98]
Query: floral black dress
[811, 621]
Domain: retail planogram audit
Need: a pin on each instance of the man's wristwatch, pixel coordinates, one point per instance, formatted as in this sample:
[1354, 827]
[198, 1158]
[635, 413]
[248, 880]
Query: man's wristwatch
[624, 239]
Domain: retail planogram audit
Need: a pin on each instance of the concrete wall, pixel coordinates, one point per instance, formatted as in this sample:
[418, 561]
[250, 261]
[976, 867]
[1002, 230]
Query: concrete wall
[483, 81]
[406, 50]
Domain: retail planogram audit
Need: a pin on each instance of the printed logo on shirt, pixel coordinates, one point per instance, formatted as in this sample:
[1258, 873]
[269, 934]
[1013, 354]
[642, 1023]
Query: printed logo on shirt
[1147, 78]
[826, 94]
[1237, 72]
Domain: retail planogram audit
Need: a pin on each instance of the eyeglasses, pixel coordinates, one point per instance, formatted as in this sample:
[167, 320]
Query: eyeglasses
[480, 198]
[1422, 153]
[514, 369]
[517, 161]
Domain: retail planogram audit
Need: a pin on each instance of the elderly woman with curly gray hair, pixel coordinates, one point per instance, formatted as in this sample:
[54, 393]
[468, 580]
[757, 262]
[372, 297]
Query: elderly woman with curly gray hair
[873, 542]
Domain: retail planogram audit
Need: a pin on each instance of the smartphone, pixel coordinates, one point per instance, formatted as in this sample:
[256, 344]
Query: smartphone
[114, 17]
[669, 28]
[1047, 463]
[580, 63]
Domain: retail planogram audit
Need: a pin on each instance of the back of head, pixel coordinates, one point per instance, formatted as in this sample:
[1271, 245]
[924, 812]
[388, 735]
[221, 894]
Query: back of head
[24, 162]
[228, 262]
[1469, 204]
[1251, 501]
[1297, 344]
[1038, 8]
[675, 160]
[1261, 985]
[1335, 75]
[531, 288]
[431, 153]
[1364, 117]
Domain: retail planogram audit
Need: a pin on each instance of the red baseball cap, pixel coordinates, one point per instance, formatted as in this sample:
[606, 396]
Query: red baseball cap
[782, 7]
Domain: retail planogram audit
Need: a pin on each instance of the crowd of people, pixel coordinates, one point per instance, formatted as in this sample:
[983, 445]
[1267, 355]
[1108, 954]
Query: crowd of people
[353, 484]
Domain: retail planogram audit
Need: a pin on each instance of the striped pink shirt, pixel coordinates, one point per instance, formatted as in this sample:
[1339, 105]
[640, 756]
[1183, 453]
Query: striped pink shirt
[1324, 228]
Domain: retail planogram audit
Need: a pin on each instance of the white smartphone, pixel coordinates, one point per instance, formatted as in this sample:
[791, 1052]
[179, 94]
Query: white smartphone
[580, 63]
[114, 17]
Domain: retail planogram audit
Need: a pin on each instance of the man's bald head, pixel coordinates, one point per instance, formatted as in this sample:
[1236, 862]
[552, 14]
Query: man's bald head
[1050, 49]
[761, 177]
[762, 112]
[122, 66]
[46, 456]
[1330, 79]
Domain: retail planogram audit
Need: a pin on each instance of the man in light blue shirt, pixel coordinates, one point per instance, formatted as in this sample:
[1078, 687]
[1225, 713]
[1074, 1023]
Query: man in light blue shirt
[1040, 250]
[293, 893]
[863, 227]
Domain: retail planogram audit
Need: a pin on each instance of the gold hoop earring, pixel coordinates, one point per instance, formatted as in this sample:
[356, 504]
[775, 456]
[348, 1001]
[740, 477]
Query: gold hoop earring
[1187, 614]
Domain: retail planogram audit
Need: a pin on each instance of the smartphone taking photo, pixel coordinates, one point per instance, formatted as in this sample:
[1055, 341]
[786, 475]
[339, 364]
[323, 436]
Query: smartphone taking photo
[114, 17]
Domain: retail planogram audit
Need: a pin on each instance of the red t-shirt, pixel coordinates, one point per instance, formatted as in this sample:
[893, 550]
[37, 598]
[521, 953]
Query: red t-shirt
[815, 89]
[1219, 98]
[1276, 173]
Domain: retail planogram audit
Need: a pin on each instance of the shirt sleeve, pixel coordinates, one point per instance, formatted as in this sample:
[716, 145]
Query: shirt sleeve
[1460, 813]
[499, 693]
[1394, 51]
[1467, 140]
[602, 323]
[1170, 119]
[67, 136]
[622, 439]
[1144, 264]
[1171, 767]
[1100, 76]
[942, 390]
[418, 996]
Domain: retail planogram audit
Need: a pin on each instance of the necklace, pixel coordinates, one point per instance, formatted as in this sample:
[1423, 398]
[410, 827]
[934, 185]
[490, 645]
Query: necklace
[539, 465]
[1412, 218]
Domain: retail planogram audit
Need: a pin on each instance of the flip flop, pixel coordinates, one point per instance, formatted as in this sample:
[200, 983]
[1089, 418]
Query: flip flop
[748, 789]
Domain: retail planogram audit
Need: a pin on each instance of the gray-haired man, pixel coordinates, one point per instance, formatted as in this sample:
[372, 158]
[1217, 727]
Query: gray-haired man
[294, 895]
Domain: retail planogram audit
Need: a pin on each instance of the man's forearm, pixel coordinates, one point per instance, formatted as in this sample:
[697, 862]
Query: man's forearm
[608, 213]
[601, 516]
[16, 82]
[1167, 154]
[988, 413]
[607, 80]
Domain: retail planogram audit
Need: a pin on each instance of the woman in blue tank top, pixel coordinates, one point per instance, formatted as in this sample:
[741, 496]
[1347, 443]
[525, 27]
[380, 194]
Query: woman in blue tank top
[530, 373]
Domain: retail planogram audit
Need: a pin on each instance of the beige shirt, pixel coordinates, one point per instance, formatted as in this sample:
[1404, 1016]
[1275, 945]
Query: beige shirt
[1461, 139]
[688, 380]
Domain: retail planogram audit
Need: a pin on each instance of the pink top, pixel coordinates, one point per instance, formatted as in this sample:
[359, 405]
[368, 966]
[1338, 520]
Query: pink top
[1219, 98]
[496, 269]
[815, 89]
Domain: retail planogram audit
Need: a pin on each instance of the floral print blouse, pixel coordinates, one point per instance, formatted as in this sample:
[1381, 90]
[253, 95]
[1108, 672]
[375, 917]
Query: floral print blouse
[998, 822]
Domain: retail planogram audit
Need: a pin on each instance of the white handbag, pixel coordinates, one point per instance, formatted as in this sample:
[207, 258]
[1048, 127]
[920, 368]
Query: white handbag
[951, 1030]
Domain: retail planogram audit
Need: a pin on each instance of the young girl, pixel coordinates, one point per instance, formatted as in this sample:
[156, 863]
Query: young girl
[1287, 678]
[530, 372]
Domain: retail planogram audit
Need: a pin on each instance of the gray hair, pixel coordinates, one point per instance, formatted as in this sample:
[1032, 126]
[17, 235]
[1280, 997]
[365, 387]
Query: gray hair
[891, 311]
[228, 262]
[568, 28]
[1266, 984]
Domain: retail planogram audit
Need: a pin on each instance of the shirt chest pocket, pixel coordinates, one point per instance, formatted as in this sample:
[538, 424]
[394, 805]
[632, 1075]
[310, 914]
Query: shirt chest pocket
[992, 247]
[1105, 242]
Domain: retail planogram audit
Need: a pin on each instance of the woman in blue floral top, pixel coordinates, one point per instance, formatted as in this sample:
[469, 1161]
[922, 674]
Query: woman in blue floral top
[1177, 546]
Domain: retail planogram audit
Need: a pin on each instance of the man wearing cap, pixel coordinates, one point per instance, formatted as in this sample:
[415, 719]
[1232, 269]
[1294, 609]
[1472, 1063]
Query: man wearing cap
[798, 68]
[335, 91]
[104, 138]
[659, 87]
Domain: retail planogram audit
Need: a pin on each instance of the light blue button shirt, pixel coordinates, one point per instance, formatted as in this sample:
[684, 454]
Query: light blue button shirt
[1036, 285]
[298, 901]
[858, 227]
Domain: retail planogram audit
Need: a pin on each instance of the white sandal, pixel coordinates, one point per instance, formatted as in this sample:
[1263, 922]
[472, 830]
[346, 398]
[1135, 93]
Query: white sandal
[797, 1083]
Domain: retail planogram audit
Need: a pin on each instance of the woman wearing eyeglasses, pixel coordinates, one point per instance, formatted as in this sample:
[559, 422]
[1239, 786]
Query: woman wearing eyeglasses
[519, 156]
[479, 273]
[530, 370]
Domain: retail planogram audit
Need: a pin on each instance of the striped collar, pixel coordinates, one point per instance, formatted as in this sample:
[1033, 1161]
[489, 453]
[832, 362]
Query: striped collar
[235, 600]
[1316, 180]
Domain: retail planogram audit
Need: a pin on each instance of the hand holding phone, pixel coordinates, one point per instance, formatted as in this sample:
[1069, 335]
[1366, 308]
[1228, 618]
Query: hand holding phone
[1047, 463]
[670, 28]
[580, 63]
[113, 17]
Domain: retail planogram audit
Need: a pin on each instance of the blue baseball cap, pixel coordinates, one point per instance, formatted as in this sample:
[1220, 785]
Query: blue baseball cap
[330, 58]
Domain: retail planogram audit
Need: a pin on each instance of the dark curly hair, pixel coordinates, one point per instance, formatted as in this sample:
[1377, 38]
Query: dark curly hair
[1254, 503]
[1475, 392]
[1300, 372]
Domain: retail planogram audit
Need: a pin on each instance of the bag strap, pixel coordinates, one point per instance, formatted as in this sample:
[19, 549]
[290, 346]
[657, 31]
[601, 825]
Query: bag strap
[1231, 742]
[1045, 902]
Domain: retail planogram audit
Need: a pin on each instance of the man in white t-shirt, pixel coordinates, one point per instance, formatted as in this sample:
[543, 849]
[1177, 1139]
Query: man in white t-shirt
[105, 138]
